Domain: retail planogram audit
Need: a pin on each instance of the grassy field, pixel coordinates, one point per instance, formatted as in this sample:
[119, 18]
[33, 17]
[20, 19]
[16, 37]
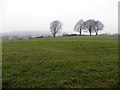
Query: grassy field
[66, 62]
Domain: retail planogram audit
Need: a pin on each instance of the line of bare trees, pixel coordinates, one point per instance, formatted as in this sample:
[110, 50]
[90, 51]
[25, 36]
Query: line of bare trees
[90, 25]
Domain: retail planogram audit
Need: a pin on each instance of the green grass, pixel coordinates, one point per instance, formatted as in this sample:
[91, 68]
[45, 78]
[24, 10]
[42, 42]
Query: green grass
[67, 62]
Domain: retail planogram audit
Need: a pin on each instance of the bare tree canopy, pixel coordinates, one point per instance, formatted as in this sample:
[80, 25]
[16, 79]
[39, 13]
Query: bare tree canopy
[98, 26]
[79, 26]
[89, 24]
[55, 27]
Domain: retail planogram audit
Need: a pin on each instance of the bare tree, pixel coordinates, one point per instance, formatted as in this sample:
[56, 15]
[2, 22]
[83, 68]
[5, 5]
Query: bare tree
[79, 26]
[89, 24]
[98, 26]
[55, 27]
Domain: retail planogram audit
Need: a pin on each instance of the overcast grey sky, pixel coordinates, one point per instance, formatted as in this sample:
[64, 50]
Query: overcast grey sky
[36, 15]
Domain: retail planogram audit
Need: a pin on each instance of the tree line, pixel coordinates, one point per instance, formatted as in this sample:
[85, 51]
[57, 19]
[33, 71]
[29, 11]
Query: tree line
[89, 25]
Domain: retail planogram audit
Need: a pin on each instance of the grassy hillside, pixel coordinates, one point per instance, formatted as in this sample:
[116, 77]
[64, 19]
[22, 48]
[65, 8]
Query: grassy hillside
[74, 62]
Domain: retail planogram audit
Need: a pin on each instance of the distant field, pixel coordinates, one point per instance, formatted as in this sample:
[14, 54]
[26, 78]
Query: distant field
[68, 62]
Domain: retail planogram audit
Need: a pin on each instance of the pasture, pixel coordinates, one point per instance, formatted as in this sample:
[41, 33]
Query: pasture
[61, 62]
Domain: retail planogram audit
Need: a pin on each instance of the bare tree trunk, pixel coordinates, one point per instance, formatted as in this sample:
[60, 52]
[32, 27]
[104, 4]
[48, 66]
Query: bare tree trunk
[96, 33]
[80, 32]
[53, 34]
[90, 32]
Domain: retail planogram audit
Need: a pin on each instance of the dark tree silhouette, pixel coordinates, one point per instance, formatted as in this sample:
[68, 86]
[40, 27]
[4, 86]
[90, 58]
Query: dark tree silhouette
[79, 26]
[89, 24]
[98, 26]
[55, 27]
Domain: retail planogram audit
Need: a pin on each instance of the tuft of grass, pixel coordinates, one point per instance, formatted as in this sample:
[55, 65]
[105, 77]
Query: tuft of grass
[66, 62]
